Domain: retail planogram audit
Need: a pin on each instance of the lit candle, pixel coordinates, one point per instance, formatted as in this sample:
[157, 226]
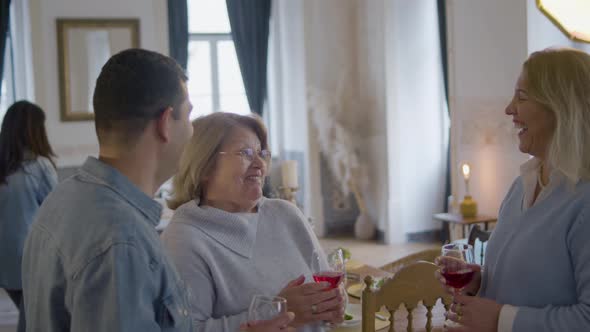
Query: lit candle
[466, 175]
[466, 171]
[468, 206]
[289, 173]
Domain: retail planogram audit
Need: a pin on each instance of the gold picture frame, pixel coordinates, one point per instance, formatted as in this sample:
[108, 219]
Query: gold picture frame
[83, 46]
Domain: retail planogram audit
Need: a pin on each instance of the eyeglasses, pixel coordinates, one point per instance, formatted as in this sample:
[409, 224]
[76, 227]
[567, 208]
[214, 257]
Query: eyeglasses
[249, 154]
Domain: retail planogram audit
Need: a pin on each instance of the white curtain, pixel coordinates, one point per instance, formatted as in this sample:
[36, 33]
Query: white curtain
[20, 26]
[286, 112]
[417, 121]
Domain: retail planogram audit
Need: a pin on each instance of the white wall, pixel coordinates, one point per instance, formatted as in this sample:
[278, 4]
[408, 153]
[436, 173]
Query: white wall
[73, 141]
[487, 46]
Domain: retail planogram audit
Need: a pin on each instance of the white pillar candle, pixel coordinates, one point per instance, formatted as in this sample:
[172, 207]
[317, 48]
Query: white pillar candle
[289, 173]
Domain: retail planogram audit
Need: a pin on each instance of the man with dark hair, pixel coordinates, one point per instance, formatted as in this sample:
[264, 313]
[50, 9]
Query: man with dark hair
[134, 88]
[93, 259]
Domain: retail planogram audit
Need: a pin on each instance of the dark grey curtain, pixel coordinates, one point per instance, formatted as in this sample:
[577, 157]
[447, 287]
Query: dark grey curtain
[249, 21]
[178, 30]
[4, 26]
[442, 30]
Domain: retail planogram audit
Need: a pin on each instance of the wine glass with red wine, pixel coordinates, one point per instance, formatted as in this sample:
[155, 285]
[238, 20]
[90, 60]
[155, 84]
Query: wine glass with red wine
[459, 274]
[334, 272]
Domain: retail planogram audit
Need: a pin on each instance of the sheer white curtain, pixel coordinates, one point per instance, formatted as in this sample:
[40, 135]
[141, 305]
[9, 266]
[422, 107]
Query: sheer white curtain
[286, 74]
[20, 26]
[417, 123]
[18, 59]
[286, 112]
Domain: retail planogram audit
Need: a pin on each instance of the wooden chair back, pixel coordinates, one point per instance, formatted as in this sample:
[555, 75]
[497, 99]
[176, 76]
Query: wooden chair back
[411, 285]
[476, 233]
[427, 255]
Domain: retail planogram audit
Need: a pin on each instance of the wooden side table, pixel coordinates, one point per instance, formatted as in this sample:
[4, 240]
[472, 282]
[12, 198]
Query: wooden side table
[457, 219]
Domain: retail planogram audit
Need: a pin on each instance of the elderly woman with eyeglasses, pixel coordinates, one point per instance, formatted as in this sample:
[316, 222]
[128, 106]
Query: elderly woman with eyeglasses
[230, 243]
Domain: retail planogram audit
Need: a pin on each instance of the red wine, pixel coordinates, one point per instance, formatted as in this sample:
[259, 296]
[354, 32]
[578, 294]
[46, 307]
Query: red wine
[333, 278]
[458, 279]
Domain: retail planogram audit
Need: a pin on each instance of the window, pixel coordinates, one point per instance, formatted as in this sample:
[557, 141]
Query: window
[7, 94]
[215, 82]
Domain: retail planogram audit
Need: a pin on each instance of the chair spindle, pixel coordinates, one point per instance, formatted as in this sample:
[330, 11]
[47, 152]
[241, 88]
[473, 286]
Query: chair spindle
[410, 308]
[391, 320]
[428, 318]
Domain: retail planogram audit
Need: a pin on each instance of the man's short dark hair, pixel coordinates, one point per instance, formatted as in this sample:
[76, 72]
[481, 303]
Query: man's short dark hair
[134, 87]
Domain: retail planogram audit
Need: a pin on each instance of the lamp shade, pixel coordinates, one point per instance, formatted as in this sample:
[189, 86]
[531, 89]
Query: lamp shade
[570, 16]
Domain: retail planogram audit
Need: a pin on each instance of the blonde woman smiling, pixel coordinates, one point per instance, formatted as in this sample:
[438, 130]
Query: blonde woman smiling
[536, 275]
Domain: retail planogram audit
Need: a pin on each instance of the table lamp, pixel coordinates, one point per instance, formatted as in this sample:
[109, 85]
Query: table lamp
[468, 206]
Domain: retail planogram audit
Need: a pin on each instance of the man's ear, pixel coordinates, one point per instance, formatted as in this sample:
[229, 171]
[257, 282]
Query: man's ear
[164, 124]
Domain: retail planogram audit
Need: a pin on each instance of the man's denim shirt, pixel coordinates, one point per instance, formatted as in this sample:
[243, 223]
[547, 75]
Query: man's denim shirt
[93, 260]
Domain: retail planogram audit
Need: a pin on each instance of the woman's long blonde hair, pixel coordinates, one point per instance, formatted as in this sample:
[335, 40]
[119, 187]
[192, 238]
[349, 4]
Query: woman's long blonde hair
[199, 155]
[559, 80]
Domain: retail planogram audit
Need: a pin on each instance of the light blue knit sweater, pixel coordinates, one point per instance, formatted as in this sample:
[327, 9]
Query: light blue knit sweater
[227, 258]
[539, 259]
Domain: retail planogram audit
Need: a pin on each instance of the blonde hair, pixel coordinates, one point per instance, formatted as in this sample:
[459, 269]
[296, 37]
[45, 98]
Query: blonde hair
[200, 154]
[559, 80]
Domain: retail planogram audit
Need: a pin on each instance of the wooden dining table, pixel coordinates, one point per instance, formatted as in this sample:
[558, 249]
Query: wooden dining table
[360, 271]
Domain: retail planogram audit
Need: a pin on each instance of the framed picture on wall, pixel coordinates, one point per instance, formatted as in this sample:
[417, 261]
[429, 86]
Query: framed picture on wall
[83, 47]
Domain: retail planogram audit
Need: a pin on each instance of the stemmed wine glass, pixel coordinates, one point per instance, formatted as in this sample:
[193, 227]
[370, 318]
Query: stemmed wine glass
[264, 307]
[458, 273]
[334, 273]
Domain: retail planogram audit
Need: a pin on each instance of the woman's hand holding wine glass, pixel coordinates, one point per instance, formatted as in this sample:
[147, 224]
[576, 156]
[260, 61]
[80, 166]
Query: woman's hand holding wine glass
[458, 272]
[312, 302]
[334, 273]
[453, 264]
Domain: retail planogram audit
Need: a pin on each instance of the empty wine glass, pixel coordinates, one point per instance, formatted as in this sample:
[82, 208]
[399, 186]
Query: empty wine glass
[459, 273]
[264, 307]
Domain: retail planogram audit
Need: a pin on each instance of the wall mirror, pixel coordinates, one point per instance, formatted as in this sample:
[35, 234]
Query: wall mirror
[570, 16]
[84, 46]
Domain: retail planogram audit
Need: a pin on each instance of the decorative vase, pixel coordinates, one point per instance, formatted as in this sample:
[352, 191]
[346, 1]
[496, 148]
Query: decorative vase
[468, 207]
[364, 229]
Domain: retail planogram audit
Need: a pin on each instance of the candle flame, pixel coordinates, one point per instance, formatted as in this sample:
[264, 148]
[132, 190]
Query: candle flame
[466, 171]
